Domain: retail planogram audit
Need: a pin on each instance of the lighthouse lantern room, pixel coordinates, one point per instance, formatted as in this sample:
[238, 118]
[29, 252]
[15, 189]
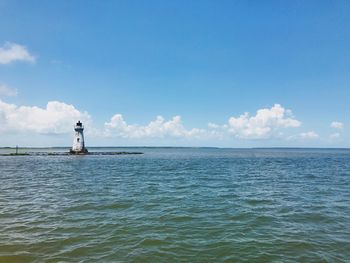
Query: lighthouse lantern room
[78, 142]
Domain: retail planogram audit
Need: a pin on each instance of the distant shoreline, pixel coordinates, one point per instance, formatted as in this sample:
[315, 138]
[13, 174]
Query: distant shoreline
[67, 153]
[180, 147]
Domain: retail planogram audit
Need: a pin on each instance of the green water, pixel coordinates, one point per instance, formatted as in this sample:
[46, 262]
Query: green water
[177, 205]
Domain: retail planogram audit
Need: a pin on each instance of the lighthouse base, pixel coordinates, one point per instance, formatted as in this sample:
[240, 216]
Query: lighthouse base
[80, 152]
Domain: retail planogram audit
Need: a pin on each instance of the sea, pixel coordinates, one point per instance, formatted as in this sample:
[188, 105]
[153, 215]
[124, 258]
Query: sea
[176, 205]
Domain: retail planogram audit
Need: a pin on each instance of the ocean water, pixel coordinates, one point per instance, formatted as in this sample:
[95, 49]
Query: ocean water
[177, 205]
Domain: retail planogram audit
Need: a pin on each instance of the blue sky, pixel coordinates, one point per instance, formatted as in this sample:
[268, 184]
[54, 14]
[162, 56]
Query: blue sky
[205, 61]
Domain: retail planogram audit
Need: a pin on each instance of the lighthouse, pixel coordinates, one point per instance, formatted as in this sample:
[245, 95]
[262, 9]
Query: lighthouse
[78, 142]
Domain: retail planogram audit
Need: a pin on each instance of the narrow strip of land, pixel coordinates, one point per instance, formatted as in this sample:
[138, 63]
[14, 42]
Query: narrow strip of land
[67, 153]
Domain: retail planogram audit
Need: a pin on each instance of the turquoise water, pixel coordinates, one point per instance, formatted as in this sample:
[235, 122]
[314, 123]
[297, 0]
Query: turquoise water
[177, 205]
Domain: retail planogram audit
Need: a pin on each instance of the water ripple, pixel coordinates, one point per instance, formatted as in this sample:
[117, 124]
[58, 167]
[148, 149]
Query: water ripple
[177, 205]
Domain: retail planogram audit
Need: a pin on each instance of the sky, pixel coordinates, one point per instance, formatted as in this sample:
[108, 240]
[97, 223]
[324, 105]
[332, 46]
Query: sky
[175, 73]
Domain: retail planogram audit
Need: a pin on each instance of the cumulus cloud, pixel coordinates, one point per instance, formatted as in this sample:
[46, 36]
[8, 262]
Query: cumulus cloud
[56, 118]
[337, 125]
[310, 135]
[7, 91]
[334, 135]
[212, 125]
[59, 117]
[11, 52]
[157, 128]
[264, 124]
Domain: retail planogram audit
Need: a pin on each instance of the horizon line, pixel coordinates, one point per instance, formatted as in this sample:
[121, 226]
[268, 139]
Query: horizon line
[213, 147]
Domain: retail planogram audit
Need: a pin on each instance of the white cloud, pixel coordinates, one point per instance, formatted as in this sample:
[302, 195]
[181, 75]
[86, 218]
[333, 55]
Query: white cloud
[56, 118]
[264, 124]
[310, 135]
[7, 91]
[335, 135]
[337, 125]
[11, 52]
[213, 125]
[157, 128]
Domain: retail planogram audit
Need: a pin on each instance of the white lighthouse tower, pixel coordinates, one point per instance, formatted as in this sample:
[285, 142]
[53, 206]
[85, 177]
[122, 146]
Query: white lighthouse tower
[78, 142]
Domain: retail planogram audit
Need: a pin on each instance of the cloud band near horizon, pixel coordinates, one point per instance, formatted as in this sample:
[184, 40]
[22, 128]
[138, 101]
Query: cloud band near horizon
[58, 117]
